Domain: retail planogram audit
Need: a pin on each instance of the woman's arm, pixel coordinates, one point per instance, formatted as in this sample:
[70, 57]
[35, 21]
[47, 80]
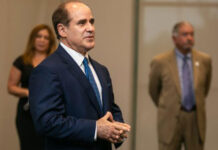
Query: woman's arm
[13, 83]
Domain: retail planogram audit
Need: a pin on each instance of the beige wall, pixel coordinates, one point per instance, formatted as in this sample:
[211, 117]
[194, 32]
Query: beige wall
[114, 48]
[114, 29]
[17, 19]
[157, 18]
[114, 43]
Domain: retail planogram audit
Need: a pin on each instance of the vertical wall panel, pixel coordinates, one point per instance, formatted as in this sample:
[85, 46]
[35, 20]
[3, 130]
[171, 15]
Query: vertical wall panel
[156, 22]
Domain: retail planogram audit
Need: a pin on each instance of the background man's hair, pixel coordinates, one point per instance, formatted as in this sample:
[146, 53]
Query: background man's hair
[177, 27]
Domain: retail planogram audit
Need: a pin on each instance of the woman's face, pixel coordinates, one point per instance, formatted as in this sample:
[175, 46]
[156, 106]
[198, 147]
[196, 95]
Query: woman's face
[42, 41]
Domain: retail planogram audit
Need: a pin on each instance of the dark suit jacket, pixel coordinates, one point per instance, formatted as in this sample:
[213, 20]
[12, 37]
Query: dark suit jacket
[64, 106]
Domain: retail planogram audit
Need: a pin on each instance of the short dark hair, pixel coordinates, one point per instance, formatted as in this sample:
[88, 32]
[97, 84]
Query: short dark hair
[177, 27]
[61, 15]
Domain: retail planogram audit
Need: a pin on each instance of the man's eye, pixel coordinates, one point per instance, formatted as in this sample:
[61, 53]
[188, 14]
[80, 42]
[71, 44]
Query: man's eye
[185, 34]
[92, 21]
[82, 22]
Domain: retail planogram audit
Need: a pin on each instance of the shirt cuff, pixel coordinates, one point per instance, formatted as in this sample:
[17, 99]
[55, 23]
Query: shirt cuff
[95, 137]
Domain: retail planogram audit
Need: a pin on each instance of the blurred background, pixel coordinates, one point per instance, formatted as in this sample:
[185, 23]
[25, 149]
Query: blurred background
[128, 34]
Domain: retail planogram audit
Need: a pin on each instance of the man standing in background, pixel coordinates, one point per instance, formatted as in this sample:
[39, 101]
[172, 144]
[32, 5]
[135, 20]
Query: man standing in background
[71, 96]
[179, 83]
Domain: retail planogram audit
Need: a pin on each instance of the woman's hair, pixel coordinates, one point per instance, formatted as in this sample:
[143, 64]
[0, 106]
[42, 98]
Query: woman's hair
[30, 47]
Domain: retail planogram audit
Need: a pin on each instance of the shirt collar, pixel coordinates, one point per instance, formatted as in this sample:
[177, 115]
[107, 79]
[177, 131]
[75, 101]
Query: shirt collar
[77, 57]
[180, 55]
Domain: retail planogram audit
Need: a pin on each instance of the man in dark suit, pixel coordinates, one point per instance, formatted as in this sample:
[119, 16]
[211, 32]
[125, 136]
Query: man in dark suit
[71, 96]
[179, 83]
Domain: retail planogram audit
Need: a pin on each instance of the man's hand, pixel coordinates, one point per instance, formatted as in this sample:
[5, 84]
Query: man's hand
[123, 133]
[111, 130]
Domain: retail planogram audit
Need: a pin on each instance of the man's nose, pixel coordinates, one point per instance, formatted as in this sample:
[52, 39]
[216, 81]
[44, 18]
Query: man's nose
[90, 27]
[190, 37]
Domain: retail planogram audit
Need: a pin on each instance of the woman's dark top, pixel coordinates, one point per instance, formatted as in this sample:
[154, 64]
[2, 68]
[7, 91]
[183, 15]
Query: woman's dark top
[29, 139]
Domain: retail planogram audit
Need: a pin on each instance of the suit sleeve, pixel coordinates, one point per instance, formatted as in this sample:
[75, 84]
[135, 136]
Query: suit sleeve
[116, 112]
[209, 76]
[155, 81]
[48, 110]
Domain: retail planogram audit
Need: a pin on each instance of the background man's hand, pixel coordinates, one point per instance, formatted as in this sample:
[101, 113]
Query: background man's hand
[111, 130]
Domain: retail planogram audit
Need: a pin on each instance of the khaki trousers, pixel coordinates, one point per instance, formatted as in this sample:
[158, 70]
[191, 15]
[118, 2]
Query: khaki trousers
[186, 133]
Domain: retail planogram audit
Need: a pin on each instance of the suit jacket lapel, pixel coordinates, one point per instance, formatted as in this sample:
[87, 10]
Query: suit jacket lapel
[174, 70]
[195, 66]
[103, 83]
[80, 76]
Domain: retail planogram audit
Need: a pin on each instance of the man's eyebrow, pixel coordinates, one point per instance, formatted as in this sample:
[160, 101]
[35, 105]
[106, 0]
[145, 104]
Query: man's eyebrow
[82, 21]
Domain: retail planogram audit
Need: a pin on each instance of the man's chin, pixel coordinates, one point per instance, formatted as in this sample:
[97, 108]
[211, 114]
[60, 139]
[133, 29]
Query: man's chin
[188, 48]
[90, 46]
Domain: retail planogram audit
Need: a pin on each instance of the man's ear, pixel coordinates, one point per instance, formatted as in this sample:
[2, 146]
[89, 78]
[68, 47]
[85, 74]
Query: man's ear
[61, 30]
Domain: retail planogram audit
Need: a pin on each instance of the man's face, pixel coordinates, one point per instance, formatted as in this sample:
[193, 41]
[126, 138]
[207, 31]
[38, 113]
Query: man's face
[80, 34]
[184, 40]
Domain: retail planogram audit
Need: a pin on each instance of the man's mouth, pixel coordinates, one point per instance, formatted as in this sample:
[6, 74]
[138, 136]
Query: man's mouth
[91, 36]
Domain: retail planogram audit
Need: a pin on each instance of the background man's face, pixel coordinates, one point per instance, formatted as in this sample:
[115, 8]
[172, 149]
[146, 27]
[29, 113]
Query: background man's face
[185, 37]
[81, 30]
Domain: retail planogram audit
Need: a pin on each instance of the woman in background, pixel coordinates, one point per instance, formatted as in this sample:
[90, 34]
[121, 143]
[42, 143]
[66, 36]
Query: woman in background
[41, 43]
